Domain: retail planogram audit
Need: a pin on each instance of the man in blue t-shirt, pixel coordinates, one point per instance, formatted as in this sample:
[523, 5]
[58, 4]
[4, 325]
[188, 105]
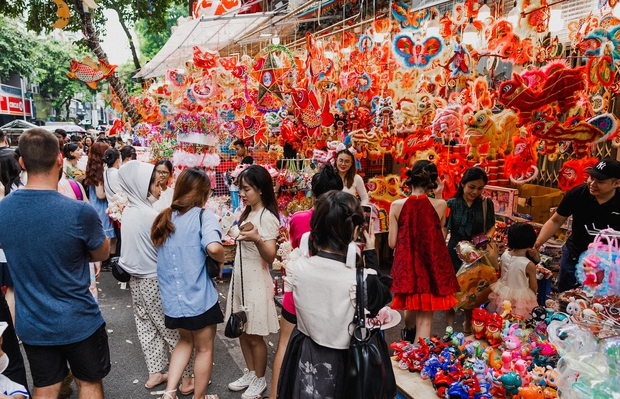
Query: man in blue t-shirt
[593, 205]
[48, 240]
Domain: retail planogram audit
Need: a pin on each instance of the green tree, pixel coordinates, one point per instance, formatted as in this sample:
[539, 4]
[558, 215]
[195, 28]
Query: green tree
[41, 16]
[125, 73]
[52, 64]
[19, 44]
[151, 42]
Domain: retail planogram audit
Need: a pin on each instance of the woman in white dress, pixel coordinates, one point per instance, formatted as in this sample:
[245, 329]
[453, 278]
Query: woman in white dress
[255, 252]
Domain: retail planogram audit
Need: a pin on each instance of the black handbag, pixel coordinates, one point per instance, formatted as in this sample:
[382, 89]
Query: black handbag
[118, 272]
[235, 326]
[368, 369]
[213, 268]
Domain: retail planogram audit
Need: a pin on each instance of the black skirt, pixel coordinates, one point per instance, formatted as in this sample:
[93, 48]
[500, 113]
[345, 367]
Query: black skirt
[311, 371]
[195, 323]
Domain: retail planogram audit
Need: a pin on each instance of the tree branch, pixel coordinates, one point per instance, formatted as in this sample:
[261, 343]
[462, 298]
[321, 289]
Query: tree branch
[134, 53]
[92, 41]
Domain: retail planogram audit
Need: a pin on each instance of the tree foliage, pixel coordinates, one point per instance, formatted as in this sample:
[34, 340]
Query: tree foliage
[17, 47]
[151, 43]
[52, 67]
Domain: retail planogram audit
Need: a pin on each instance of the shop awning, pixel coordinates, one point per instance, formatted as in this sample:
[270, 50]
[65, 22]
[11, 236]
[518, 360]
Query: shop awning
[208, 33]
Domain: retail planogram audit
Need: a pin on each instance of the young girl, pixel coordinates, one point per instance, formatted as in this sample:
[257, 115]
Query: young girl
[184, 236]
[518, 282]
[256, 251]
[424, 279]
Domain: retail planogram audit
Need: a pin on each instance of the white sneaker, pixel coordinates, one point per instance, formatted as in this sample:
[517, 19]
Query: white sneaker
[243, 382]
[256, 389]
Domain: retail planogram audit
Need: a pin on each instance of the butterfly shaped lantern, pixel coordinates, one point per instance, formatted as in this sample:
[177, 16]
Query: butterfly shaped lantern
[417, 53]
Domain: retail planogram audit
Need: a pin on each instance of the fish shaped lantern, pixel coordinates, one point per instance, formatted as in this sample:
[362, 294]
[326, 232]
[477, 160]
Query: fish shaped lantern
[89, 71]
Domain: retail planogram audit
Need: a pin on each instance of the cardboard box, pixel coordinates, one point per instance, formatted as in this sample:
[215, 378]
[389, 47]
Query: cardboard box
[504, 199]
[538, 200]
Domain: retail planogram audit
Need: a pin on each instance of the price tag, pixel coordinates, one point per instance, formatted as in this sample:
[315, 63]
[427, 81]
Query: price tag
[123, 286]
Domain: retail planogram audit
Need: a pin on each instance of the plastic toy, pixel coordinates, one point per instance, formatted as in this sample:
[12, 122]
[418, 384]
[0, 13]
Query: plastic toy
[478, 322]
[511, 382]
[531, 392]
[494, 329]
[469, 388]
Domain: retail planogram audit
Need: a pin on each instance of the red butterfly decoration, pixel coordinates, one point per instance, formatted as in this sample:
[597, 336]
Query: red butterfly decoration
[417, 54]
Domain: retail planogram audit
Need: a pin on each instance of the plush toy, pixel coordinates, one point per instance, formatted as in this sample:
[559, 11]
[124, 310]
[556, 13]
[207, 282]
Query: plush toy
[495, 130]
[520, 166]
[573, 172]
[561, 86]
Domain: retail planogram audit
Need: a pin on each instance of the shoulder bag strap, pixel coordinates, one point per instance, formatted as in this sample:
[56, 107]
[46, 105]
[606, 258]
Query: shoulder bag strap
[76, 189]
[359, 319]
[241, 271]
[484, 215]
[108, 181]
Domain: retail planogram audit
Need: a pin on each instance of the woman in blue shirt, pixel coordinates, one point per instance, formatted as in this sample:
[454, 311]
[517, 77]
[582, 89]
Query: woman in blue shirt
[188, 296]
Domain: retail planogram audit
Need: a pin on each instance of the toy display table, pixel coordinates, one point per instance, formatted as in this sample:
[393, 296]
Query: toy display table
[411, 385]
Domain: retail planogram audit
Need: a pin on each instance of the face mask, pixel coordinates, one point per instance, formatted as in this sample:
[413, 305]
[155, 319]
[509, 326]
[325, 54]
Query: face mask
[151, 198]
[4, 362]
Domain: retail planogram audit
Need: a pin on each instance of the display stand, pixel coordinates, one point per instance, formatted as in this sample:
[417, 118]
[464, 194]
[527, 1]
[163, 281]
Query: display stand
[411, 385]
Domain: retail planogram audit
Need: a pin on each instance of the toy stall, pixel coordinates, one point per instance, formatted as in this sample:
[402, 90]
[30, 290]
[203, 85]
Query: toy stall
[524, 89]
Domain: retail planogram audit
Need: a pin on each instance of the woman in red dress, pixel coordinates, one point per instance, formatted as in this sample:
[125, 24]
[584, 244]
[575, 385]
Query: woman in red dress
[424, 278]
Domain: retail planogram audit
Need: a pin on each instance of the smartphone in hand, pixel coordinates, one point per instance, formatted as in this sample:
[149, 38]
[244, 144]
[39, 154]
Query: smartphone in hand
[367, 216]
[247, 226]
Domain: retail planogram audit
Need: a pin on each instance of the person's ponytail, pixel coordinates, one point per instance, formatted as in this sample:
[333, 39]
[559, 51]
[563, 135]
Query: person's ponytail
[162, 227]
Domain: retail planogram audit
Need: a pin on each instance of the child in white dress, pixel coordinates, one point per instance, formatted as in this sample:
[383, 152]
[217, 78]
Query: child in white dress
[518, 274]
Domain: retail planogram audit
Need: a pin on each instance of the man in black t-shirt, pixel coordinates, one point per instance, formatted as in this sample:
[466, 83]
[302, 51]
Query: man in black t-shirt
[594, 205]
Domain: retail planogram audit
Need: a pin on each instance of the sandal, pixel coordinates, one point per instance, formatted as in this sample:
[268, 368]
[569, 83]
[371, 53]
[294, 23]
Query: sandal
[167, 394]
[164, 379]
[187, 393]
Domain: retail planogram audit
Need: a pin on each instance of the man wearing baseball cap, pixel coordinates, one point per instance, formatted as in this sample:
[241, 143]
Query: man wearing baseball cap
[595, 205]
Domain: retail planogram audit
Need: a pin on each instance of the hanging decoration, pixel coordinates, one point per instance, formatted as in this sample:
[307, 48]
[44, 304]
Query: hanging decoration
[63, 13]
[89, 71]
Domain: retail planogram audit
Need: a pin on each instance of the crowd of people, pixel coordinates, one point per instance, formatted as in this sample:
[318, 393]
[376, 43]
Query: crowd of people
[50, 264]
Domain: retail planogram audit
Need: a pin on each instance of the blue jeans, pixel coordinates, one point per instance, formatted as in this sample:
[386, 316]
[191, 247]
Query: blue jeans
[568, 267]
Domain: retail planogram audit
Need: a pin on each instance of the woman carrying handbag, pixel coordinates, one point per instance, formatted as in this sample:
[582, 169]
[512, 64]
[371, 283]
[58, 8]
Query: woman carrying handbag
[324, 288]
[256, 251]
[185, 235]
[471, 217]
